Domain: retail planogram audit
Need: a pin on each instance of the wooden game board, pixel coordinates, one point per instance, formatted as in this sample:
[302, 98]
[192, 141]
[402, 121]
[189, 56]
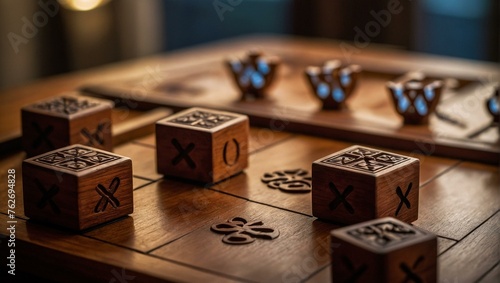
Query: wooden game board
[168, 237]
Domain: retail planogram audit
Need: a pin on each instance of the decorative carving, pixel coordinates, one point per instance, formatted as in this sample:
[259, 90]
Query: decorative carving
[332, 83]
[294, 181]
[340, 198]
[355, 273]
[362, 159]
[202, 119]
[411, 276]
[383, 234]
[239, 231]
[403, 198]
[96, 137]
[43, 136]
[254, 74]
[65, 105]
[47, 196]
[76, 158]
[107, 195]
[183, 154]
[414, 98]
[237, 155]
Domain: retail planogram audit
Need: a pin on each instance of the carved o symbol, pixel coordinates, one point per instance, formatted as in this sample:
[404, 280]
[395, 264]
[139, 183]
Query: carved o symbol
[236, 156]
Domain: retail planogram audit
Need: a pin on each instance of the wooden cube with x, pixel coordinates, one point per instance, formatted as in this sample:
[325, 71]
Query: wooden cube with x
[77, 187]
[359, 184]
[202, 144]
[65, 120]
[383, 250]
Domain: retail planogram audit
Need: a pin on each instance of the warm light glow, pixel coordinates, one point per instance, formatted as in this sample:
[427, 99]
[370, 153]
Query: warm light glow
[82, 5]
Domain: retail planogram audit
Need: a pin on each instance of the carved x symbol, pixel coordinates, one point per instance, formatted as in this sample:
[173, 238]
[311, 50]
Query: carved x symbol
[42, 136]
[47, 196]
[341, 198]
[410, 275]
[107, 195]
[95, 137]
[183, 154]
[355, 273]
[404, 198]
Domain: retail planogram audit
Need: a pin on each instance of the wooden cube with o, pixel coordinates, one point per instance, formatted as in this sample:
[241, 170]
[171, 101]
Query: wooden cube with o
[383, 250]
[202, 144]
[77, 187]
[65, 120]
[359, 184]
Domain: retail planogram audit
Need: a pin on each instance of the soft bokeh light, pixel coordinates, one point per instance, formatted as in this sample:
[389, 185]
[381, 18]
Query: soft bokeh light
[82, 5]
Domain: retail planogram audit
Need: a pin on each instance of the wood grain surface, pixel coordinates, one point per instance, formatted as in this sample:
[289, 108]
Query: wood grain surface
[170, 237]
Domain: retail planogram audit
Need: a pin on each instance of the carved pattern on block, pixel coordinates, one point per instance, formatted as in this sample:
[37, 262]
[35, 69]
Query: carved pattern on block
[355, 272]
[202, 119]
[383, 234]
[294, 181]
[43, 136]
[363, 159]
[76, 158]
[96, 137]
[65, 105]
[411, 276]
[340, 198]
[227, 161]
[239, 231]
[403, 198]
[183, 154]
[107, 195]
[47, 195]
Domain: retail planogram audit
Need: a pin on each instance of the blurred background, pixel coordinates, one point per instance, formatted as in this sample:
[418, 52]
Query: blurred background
[48, 37]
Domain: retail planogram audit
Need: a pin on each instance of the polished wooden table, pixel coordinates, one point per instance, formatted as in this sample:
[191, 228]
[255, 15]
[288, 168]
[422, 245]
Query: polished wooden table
[168, 237]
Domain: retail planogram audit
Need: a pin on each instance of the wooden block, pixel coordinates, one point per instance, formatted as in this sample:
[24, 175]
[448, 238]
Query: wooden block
[66, 120]
[359, 184]
[202, 145]
[77, 187]
[383, 250]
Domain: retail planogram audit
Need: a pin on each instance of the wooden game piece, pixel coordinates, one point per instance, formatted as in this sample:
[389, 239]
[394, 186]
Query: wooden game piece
[493, 105]
[359, 184]
[239, 231]
[77, 187]
[333, 83]
[202, 145]
[66, 120]
[291, 181]
[383, 250]
[414, 97]
[253, 75]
